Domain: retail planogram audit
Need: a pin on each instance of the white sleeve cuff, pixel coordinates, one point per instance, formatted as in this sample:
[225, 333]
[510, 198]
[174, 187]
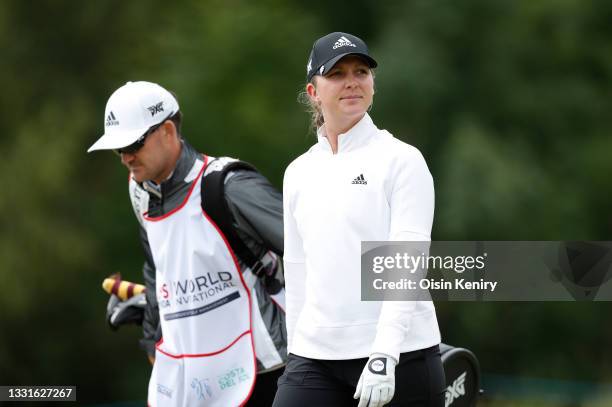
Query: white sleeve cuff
[389, 340]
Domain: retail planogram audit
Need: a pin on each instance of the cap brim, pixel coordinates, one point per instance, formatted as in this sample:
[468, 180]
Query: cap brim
[116, 140]
[330, 64]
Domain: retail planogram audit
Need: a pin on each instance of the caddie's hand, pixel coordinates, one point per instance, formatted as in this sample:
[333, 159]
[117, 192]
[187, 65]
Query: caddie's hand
[376, 385]
[130, 311]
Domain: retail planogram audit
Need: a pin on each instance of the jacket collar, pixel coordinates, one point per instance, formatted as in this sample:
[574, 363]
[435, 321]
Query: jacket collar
[356, 137]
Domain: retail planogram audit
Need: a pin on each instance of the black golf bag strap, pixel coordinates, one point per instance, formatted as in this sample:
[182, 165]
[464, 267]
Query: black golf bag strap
[215, 205]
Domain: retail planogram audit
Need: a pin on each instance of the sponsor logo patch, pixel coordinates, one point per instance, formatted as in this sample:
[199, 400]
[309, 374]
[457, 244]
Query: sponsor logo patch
[164, 391]
[233, 377]
[156, 108]
[378, 366]
[455, 390]
[343, 42]
[202, 388]
[360, 180]
[111, 120]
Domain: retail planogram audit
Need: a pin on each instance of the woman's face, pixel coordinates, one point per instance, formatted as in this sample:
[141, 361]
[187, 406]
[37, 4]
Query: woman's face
[346, 91]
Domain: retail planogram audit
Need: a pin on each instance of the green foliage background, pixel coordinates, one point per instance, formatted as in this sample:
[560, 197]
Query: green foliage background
[509, 101]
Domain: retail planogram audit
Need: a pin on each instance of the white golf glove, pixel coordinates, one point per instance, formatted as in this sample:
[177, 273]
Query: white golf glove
[376, 385]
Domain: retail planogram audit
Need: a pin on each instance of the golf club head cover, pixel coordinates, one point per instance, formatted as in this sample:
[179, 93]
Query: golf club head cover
[122, 288]
[376, 385]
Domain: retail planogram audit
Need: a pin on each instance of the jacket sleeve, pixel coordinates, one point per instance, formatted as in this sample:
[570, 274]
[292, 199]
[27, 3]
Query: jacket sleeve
[294, 261]
[257, 209]
[151, 328]
[412, 209]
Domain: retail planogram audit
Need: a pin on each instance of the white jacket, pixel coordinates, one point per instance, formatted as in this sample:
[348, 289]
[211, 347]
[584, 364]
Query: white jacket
[376, 188]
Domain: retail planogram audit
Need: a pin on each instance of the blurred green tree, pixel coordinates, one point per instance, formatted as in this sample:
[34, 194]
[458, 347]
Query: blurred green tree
[507, 100]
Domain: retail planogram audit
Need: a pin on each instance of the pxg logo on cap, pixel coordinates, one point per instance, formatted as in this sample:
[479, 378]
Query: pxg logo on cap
[328, 50]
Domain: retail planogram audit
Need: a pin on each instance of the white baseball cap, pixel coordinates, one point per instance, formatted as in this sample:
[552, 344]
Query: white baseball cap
[131, 111]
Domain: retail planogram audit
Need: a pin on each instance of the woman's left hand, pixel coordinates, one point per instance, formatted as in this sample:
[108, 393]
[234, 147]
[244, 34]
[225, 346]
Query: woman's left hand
[376, 385]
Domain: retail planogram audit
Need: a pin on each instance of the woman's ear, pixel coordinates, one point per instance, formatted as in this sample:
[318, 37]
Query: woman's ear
[312, 92]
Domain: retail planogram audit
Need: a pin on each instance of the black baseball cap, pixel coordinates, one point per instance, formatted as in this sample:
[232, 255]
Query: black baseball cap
[328, 50]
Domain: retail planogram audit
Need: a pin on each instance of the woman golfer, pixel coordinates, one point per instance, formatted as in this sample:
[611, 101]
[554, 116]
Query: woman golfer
[357, 183]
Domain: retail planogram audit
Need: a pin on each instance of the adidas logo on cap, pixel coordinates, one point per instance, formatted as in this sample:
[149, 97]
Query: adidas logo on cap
[111, 120]
[343, 42]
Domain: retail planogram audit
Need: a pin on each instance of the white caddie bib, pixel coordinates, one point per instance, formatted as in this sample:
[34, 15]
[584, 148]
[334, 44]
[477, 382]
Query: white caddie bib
[206, 356]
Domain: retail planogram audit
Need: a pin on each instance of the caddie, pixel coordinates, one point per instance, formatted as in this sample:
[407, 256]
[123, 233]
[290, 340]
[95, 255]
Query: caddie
[212, 233]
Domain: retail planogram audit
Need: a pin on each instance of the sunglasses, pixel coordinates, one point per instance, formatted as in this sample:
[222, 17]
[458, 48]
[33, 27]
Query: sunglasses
[138, 144]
